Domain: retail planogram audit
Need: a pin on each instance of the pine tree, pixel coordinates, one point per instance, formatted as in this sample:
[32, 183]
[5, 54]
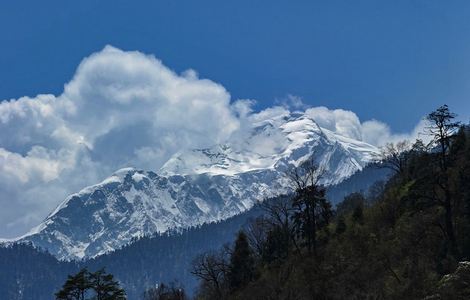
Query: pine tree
[84, 283]
[442, 129]
[106, 288]
[312, 211]
[241, 268]
[340, 225]
[76, 287]
[358, 215]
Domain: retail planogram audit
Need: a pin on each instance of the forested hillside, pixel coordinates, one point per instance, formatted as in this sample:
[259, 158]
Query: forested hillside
[408, 240]
[32, 274]
[401, 238]
[28, 273]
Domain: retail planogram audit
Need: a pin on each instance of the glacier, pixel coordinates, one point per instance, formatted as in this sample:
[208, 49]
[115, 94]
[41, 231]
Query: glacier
[196, 186]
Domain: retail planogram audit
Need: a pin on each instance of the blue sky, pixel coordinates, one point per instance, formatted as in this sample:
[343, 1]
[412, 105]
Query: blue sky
[389, 60]
[122, 105]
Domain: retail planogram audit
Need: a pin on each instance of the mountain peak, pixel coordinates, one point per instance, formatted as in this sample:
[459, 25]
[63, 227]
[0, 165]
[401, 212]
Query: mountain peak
[196, 186]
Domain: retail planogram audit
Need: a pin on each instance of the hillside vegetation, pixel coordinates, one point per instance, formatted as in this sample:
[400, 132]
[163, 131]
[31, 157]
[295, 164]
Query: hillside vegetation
[408, 239]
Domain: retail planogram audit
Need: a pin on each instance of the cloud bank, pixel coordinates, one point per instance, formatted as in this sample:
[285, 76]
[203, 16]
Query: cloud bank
[124, 109]
[374, 132]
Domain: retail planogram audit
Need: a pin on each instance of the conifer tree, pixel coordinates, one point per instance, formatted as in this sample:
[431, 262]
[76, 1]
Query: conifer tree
[241, 268]
[76, 286]
[442, 129]
[312, 210]
[106, 288]
[99, 285]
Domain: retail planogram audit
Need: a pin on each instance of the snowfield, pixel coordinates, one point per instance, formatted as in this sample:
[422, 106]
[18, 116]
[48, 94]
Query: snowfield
[194, 187]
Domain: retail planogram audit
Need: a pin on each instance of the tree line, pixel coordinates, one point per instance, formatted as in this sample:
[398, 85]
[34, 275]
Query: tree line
[406, 239]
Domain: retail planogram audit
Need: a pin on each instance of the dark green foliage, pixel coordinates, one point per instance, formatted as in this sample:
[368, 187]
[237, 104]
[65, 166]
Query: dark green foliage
[76, 287]
[276, 245]
[26, 273]
[442, 129]
[310, 209]
[105, 286]
[358, 214]
[86, 285]
[167, 257]
[340, 225]
[399, 242]
[241, 268]
[350, 203]
[392, 243]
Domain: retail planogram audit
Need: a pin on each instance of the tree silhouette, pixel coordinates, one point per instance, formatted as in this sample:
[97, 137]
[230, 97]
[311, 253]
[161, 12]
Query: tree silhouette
[86, 285]
[241, 268]
[76, 286]
[442, 129]
[105, 287]
[312, 210]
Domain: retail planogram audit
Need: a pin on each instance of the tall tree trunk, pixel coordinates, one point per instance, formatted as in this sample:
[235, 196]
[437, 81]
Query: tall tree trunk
[314, 228]
[449, 222]
[309, 223]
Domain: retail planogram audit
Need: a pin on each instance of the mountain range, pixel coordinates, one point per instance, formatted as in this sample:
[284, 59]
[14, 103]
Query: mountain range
[195, 187]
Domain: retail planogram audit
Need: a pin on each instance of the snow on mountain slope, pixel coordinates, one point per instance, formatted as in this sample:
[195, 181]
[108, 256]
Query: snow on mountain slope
[280, 141]
[194, 187]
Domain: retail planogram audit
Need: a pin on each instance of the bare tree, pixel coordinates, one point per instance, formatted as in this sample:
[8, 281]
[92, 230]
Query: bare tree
[280, 212]
[273, 229]
[212, 270]
[393, 156]
[311, 209]
[257, 232]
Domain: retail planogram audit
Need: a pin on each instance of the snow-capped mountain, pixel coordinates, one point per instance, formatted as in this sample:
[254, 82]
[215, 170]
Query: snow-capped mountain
[196, 186]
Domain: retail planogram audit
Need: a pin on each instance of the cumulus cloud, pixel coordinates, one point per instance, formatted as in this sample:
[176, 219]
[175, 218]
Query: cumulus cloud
[120, 109]
[125, 109]
[378, 133]
[374, 132]
[340, 121]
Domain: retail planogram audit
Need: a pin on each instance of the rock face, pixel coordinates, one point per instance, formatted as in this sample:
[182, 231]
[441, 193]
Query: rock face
[194, 187]
[455, 285]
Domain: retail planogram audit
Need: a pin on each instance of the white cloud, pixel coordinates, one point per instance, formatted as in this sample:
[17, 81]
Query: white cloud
[120, 108]
[378, 133]
[124, 109]
[374, 132]
[340, 121]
